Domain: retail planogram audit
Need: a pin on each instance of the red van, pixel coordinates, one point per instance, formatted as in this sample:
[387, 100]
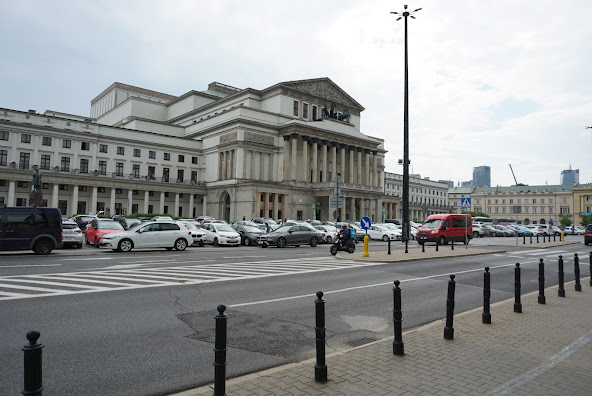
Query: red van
[443, 228]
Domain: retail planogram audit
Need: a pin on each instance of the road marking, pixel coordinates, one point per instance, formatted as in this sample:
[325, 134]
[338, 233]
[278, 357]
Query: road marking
[30, 265]
[546, 252]
[545, 366]
[86, 258]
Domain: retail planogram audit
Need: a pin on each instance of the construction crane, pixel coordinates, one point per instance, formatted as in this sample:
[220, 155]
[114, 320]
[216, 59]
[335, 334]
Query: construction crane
[513, 174]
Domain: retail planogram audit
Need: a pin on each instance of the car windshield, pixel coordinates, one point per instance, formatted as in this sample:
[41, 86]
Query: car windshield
[253, 229]
[285, 228]
[190, 226]
[432, 223]
[136, 226]
[224, 227]
[109, 225]
[330, 228]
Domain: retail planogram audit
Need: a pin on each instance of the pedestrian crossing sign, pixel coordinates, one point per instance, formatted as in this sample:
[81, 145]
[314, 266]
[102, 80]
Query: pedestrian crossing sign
[465, 203]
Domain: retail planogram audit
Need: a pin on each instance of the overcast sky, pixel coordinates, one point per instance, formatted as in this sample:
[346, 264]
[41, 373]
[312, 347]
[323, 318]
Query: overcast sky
[491, 82]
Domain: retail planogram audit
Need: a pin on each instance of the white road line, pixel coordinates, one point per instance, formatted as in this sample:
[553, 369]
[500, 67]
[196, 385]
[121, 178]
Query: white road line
[30, 265]
[87, 258]
[48, 283]
[541, 252]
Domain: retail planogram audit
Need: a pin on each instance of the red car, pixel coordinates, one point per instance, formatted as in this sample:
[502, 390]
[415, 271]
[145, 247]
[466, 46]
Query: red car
[99, 227]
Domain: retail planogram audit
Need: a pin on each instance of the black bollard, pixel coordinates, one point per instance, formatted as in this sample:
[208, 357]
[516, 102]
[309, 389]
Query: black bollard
[406, 246]
[220, 352]
[561, 290]
[389, 246]
[486, 317]
[437, 244]
[541, 298]
[423, 247]
[577, 272]
[452, 244]
[537, 238]
[449, 329]
[321, 366]
[554, 236]
[524, 239]
[517, 303]
[398, 346]
[33, 369]
[531, 239]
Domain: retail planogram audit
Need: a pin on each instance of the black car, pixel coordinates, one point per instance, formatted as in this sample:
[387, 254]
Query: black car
[248, 233]
[588, 235]
[35, 228]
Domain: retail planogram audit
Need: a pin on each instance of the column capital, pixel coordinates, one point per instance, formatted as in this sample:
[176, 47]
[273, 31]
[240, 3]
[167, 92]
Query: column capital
[374, 152]
[343, 145]
[325, 142]
[294, 135]
[366, 151]
[315, 140]
[306, 138]
[359, 149]
[334, 144]
[286, 138]
[351, 147]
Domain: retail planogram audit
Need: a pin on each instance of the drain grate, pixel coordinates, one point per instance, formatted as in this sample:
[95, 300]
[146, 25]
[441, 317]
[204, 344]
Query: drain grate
[356, 342]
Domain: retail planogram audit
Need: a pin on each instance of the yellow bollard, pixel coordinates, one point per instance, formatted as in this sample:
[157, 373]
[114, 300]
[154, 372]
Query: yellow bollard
[366, 254]
[562, 234]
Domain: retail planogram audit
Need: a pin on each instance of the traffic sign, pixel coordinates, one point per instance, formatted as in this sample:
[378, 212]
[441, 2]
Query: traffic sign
[465, 203]
[336, 202]
[365, 223]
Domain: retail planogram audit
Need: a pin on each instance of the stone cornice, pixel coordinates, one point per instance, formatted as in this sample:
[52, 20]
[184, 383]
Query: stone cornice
[142, 91]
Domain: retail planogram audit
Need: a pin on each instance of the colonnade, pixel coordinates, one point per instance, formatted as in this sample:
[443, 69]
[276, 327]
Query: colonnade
[226, 165]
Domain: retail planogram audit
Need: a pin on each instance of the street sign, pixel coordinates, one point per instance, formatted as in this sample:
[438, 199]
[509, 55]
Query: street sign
[465, 203]
[337, 187]
[365, 223]
[336, 202]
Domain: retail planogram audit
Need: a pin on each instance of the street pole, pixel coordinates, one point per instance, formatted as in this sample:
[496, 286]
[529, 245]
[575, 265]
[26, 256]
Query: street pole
[406, 14]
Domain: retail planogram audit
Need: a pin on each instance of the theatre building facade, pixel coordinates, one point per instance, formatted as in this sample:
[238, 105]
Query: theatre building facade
[225, 152]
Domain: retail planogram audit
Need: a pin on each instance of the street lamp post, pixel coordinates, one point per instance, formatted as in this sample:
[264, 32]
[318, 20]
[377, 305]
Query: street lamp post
[406, 14]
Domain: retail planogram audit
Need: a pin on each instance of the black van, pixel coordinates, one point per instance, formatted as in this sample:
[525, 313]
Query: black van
[36, 228]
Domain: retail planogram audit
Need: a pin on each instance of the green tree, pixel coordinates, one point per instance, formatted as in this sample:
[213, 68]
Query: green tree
[477, 214]
[565, 221]
[586, 220]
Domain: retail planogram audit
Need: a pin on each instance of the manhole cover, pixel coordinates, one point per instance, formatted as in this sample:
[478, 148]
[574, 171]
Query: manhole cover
[356, 342]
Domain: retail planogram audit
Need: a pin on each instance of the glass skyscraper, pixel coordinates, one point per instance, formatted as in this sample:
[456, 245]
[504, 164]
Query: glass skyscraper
[482, 176]
[570, 176]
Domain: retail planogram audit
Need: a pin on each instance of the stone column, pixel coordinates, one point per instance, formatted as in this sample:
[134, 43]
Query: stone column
[11, 199]
[146, 201]
[367, 167]
[352, 209]
[249, 171]
[333, 161]
[112, 202]
[275, 206]
[205, 206]
[257, 204]
[223, 175]
[305, 159]
[233, 164]
[266, 166]
[315, 160]
[93, 200]
[266, 205]
[342, 149]
[130, 199]
[54, 196]
[343, 210]
[294, 154]
[176, 211]
[257, 168]
[359, 180]
[371, 211]
[286, 159]
[351, 164]
[325, 176]
[375, 154]
[74, 208]
[161, 206]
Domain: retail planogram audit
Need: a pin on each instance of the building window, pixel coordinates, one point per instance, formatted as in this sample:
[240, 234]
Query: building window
[564, 200]
[84, 146]
[150, 208]
[305, 110]
[137, 152]
[63, 187]
[119, 169]
[83, 165]
[66, 143]
[151, 172]
[534, 209]
[193, 175]
[65, 164]
[120, 150]
[565, 211]
[314, 112]
[550, 200]
[24, 160]
[46, 141]
[103, 148]
[103, 167]
[551, 209]
[4, 135]
[45, 161]
[519, 201]
[165, 174]
[3, 157]
[135, 192]
[194, 160]
[25, 138]
[181, 158]
[150, 193]
[534, 201]
[542, 209]
[167, 156]
[23, 184]
[180, 174]
[21, 202]
[101, 189]
[152, 154]
[296, 105]
[542, 200]
[136, 170]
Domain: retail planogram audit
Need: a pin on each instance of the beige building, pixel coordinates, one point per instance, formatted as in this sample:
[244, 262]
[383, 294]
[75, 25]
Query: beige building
[426, 197]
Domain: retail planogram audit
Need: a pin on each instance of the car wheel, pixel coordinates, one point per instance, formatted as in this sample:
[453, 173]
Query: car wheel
[333, 250]
[281, 242]
[215, 243]
[314, 241]
[475, 234]
[351, 249]
[43, 246]
[493, 234]
[125, 245]
[181, 244]
[442, 241]
[385, 238]
[79, 246]
[248, 242]
[329, 239]
[200, 244]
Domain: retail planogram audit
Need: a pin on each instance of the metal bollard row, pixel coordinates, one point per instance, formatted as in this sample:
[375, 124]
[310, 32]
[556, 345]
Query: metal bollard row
[33, 367]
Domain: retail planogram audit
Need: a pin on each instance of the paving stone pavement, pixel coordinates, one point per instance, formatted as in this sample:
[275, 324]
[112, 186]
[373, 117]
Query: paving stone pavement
[545, 350]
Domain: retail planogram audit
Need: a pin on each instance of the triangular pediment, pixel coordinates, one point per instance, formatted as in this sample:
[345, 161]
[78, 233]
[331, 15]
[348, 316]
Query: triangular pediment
[325, 90]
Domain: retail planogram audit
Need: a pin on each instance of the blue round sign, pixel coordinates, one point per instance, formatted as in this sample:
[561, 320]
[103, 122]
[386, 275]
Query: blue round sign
[365, 222]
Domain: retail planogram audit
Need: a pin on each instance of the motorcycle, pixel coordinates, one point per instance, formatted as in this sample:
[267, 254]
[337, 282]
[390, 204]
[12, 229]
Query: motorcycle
[339, 246]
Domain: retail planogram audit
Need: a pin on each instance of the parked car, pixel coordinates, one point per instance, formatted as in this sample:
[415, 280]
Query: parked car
[443, 228]
[99, 227]
[154, 234]
[588, 235]
[272, 226]
[35, 228]
[198, 235]
[72, 235]
[397, 229]
[479, 231]
[571, 230]
[263, 220]
[248, 233]
[384, 233]
[493, 232]
[534, 228]
[329, 232]
[556, 230]
[221, 234]
[159, 218]
[522, 231]
[296, 235]
[83, 220]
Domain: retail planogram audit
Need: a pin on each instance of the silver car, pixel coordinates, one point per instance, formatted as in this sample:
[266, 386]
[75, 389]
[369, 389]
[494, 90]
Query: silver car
[295, 235]
[72, 235]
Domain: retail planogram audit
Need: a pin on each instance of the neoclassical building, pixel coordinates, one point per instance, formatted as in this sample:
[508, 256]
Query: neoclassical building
[224, 152]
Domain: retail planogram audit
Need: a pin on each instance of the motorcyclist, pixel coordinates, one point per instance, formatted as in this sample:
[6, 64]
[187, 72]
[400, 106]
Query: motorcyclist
[343, 235]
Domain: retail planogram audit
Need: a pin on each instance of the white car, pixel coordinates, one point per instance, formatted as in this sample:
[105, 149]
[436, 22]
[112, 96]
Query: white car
[328, 232]
[221, 234]
[197, 233]
[380, 232]
[72, 235]
[154, 234]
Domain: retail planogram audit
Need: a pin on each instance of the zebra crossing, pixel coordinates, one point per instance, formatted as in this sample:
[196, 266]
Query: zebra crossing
[131, 277]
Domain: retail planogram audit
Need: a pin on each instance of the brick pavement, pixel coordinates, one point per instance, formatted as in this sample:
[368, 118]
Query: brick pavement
[545, 350]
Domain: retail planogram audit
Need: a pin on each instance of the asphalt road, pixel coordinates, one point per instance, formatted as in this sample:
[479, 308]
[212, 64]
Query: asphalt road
[148, 329]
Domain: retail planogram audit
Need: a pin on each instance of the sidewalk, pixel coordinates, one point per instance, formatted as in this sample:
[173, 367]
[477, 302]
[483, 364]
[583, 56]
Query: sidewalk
[545, 350]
